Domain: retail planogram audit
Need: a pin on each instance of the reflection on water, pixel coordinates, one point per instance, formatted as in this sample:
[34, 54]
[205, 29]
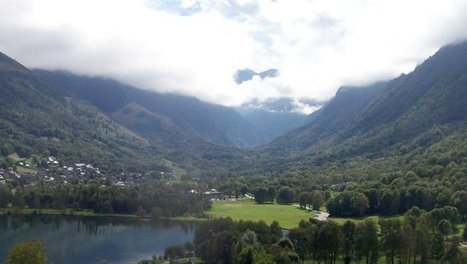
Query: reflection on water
[71, 239]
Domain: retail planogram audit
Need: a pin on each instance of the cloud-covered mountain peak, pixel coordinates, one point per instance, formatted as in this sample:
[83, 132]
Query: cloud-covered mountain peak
[248, 74]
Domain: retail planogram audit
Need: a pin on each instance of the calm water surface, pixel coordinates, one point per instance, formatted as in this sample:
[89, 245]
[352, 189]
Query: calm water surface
[93, 239]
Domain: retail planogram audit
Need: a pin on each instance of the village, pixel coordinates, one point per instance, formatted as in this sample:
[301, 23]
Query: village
[53, 173]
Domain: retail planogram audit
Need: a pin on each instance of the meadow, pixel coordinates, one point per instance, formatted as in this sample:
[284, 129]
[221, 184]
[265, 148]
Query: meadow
[288, 216]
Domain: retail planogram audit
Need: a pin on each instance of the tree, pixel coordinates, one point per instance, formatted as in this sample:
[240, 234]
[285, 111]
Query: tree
[317, 199]
[243, 189]
[329, 239]
[449, 213]
[261, 195]
[366, 241]
[348, 230]
[408, 234]
[445, 227]
[423, 236]
[373, 199]
[391, 241]
[28, 252]
[464, 234]
[360, 204]
[221, 248]
[285, 196]
[460, 202]
[248, 248]
[174, 252]
[301, 237]
[438, 246]
[284, 252]
[303, 200]
[389, 202]
[271, 194]
[452, 253]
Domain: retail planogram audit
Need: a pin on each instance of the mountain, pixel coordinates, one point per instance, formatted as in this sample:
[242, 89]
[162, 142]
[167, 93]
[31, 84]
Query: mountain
[37, 119]
[336, 114]
[167, 118]
[276, 116]
[103, 125]
[389, 118]
[104, 122]
[248, 74]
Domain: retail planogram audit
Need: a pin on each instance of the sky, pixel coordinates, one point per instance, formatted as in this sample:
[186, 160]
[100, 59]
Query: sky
[195, 47]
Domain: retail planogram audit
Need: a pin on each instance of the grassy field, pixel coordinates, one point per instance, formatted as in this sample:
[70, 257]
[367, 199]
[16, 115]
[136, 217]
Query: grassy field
[288, 216]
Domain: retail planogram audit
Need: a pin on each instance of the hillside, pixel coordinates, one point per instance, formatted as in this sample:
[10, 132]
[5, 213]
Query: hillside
[339, 112]
[413, 111]
[166, 118]
[39, 120]
[36, 119]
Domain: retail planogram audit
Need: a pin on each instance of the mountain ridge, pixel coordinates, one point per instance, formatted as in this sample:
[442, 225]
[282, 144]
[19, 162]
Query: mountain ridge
[214, 123]
[408, 108]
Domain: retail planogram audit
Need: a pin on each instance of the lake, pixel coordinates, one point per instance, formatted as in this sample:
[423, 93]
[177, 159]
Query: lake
[72, 239]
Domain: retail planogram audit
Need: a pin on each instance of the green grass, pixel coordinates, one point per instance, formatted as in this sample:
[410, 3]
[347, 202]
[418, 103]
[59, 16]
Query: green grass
[288, 216]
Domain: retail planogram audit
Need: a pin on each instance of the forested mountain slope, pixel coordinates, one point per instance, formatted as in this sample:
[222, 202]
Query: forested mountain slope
[37, 119]
[412, 111]
[165, 118]
[339, 112]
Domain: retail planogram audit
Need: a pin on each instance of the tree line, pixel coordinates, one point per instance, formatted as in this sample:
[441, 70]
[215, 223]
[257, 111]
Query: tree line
[155, 199]
[417, 237]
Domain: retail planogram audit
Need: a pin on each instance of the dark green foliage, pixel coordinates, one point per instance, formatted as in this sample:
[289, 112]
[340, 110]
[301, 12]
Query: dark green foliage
[366, 241]
[27, 252]
[328, 241]
[348, 244]
[174, 252]
[283, 252]
[445, 227]
[348, 204]
[162, 200]
[452, 253]
[261, 195]
[285, 196]
[225, 241]
[438, 246]
[391, 238]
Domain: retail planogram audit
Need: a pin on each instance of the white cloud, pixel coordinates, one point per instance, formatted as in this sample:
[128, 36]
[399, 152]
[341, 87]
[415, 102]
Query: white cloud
[194, 47]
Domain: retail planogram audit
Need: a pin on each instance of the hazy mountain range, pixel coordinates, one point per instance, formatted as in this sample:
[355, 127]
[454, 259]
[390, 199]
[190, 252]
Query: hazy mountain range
[62, 114]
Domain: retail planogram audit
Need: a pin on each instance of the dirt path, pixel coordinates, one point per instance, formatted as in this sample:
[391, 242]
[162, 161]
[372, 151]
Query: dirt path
[321, 216]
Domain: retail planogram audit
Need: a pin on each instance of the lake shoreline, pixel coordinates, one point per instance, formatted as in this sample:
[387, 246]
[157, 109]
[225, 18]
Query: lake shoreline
[89, 213]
